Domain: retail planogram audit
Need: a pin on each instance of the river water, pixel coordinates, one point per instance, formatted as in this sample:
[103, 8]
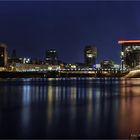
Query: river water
[69, 108]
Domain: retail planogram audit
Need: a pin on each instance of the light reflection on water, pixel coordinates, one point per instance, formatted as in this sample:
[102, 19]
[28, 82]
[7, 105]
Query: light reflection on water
[69, 108]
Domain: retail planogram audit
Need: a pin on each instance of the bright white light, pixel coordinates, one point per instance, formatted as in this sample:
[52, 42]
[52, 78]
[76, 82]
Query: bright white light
[122, 53]
[49, 68]
[89, 55]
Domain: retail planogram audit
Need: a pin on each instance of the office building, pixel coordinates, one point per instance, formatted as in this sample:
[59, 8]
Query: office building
[130, 53]
[90, 54]
[51, 57]
[3, 55]
[107, 64]
[14, 54]
[14, 58]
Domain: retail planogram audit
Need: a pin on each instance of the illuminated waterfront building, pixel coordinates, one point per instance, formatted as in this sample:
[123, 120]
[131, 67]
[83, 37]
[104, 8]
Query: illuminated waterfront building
[130, 53]
[90, 54]
[24, 60]
[107, 64]
[3, 55]
[51, 57]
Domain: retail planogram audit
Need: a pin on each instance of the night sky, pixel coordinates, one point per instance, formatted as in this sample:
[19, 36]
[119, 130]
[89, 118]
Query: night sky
[33, 27]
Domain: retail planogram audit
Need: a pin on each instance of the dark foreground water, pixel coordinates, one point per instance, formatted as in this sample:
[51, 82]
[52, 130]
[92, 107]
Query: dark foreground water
[69, 108]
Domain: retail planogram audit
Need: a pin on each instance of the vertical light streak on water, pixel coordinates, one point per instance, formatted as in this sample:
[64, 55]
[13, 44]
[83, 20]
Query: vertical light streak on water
[50, 102]
[72, 110]
[56, 94]
[90, 100]
[44, 93]
[60, 90]
[79, 93]
[73, 95]
[96, 106]
[73, 102]
[26, 96]
[128, 115]
[90, 117]
[36, 93]
[68, 94]
[61, 93]
[41, 93]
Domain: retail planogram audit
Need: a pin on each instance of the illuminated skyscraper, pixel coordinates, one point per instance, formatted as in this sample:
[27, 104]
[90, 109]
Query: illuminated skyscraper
[3, 55]
[90, 54]
[51, 57]
[130, 53]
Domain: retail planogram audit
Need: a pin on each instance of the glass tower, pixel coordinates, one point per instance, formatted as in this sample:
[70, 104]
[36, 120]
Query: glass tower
[130, 53]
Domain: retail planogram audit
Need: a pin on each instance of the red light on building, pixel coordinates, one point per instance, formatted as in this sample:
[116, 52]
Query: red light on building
[128, 41]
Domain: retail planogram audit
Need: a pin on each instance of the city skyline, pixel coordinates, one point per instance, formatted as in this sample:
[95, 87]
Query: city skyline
[34, 27]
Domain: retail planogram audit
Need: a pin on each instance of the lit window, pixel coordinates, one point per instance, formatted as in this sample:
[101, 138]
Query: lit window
[122, 53]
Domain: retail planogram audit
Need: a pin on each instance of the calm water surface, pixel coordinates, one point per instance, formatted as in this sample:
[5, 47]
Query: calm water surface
[69, 108]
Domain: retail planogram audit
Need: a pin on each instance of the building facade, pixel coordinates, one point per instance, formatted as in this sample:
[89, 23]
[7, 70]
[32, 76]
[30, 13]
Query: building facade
[130, 53]
[51, 57]
[14, 58]
[107, 64]
[3, 55]
[90, 54]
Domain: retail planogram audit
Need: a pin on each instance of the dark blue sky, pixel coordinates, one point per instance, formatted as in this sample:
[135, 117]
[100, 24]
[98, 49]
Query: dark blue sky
[32, 27]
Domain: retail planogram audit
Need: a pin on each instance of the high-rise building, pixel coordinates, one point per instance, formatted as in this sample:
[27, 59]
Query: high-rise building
[51, 57]
[130, 53]
[3, 55]
[14, 57]
[90, 54]
[14, 54]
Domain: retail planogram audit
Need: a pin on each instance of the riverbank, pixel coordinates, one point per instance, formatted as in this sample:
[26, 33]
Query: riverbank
[133, 74]
[55, 74]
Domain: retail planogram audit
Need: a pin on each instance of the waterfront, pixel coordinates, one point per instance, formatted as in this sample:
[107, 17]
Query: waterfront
[69, 107]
